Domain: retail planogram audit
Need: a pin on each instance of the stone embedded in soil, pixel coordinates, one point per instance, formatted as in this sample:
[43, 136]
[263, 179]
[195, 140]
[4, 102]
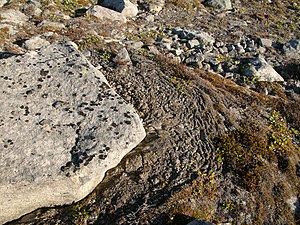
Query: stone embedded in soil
[104, 13]
[12, 16]
[125, 7]
[62, 128]
[292, 49]
[35, 43]
[259, 69]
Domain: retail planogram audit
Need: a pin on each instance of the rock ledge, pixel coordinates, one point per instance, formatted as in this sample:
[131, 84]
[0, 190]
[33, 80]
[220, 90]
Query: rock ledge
[62, 128]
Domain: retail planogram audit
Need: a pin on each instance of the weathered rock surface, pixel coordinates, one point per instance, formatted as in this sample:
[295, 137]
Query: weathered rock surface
[35, 43]
[62, 128]
[104, 13]
[13, 17]
[2, 2]
[125, 7]
[263, 71]
[220, 4]
[292, 49]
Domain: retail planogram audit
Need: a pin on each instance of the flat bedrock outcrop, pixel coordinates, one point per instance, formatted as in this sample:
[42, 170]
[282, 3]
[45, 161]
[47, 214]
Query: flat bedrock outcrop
[62, 128]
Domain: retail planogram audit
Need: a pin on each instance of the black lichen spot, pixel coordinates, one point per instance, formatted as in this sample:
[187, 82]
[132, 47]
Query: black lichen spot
[114, 124]
[80, 113]
[39, 86]
[44, 72]
[102, 157]
[114, 108]
[89, 109]
[127, 122]
[26, 111]
[127, 115]
[58, 104]
[28, 92]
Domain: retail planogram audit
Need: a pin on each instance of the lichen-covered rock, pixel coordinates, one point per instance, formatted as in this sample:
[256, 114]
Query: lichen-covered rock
[259, 69]
[12, 17]
[2, 2]
[125, 7]
[220, 4]
[35, 43]
[292, 49]
[104, 13]
[62, 128]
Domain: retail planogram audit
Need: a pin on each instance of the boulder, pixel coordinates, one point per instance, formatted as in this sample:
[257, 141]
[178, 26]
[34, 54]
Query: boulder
[62, 128]
[3, 2]
[219, 4]
[52, 25]
[125, 7]
[35, 43]
[292, 49]
[12, 16]
[261, 70]
[104, 13]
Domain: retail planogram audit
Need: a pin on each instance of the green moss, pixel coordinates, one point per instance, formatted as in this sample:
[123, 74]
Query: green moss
[87, 41]
[197, 200]
[245, 151]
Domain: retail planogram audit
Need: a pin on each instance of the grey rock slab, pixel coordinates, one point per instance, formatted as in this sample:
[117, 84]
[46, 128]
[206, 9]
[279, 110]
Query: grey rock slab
[12, 16]
[105, 13]
[220, 4]
[3, 2]
[192, 43]
[205, 38]
[292, 49]
[125, 7]
[262, 70]
[53, 25]
[35, 43]
[265, 42]
[62, 128]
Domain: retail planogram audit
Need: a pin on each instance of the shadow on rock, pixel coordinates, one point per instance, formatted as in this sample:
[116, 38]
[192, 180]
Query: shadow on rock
[5, 55]
[289, 71]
